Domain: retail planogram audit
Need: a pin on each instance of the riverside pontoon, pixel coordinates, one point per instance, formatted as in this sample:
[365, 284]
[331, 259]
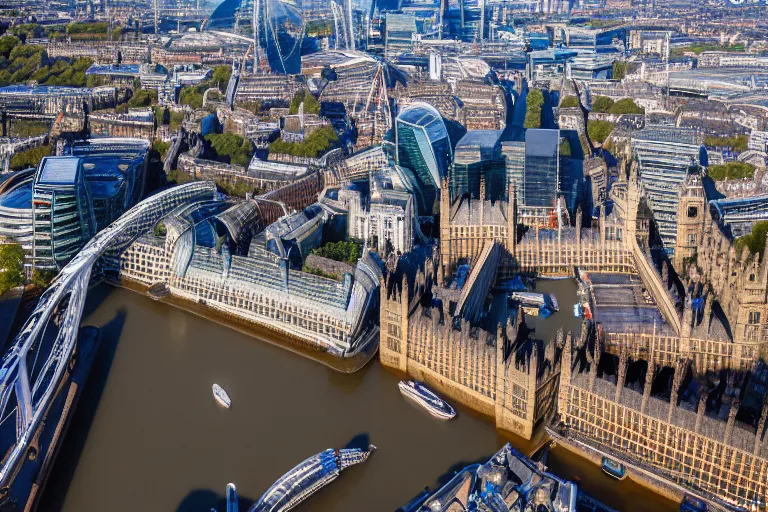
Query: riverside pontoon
[426, 398]
[221, 396]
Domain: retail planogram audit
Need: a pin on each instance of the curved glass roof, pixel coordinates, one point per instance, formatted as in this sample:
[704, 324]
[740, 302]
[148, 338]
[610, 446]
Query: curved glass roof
[427, 117]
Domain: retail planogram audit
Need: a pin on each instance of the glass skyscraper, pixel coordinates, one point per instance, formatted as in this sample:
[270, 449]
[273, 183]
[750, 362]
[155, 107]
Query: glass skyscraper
[281, 29]
[541, 180]
[478, 156]
[423, 145]
[62, 209]
[664, 155]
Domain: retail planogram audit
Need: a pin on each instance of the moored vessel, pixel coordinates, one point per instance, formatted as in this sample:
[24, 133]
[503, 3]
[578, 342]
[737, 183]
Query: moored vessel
[221, 396]
[427, 398]
[231, 498]
[614, 469]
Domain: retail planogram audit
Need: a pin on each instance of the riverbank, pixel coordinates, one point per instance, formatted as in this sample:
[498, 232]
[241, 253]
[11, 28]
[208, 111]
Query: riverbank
[274, 336]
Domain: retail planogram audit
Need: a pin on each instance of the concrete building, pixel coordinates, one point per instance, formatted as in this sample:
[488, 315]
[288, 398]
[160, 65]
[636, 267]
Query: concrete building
[136, 124]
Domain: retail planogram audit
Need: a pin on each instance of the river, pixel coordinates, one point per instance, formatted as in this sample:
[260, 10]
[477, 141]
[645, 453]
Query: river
[148, 435]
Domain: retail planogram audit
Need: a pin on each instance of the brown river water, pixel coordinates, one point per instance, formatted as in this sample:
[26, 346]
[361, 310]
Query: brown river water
[148, 435]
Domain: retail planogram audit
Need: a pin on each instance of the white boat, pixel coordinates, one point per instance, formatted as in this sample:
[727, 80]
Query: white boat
[221, 396]
[231, 498]
[426, 398]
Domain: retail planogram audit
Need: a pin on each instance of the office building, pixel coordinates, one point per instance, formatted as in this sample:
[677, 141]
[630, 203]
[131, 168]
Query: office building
[478, 157]
[664, 156]
[541, 179]
[424, 146]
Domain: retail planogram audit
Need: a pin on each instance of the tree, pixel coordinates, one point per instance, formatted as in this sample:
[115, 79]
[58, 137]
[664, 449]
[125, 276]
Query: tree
[626, 106]
[619, 70]
[731, 171]
[238, 150]
[569, 102]
[313, 146]
[7, 44]
[311, 105]
[736, 143]
[599, 130]
[143, 98]
[755, 241]
[348, 251]
[533, 103]
[29, 158]
[42, 278]
[190, 96]
[11, 267]
[602, 104]
[221, 76]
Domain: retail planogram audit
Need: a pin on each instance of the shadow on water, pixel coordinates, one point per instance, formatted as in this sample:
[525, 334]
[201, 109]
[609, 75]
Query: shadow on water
[456, 469]
[72, 445]
[361, 440]
[203, 500]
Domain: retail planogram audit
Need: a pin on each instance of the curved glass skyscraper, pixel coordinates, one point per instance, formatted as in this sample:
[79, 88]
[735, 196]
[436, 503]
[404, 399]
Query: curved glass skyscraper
[278, 24]
[281, 29]
[423, 145]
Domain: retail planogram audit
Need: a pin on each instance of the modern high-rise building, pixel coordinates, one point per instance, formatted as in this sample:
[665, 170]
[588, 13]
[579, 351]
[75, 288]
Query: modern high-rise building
[398, 38]
[424, 146]
[541, 178]
[63, 211]
[281, 30]
[513, 152]
[54, 209]
[664, 156]
[478, 157]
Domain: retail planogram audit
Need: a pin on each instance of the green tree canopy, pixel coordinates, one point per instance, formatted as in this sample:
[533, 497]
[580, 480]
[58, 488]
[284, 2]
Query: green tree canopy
[732, 171]
[29, 158]
[619, 70]
[601, 104]
[311, 105]
[11, 267]
[626, 106]
[221, 76]
[599, 130]
[313, 146]
[533, 103]
[191, 96]
[7, 44]
[755, 241]
[569, 102]
[348, 251]
[736, 143]
[43, 278]
[143, 98]
[238, 150]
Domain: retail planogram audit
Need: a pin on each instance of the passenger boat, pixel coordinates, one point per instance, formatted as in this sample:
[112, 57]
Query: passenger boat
[614, 469]
[231, 498]
[426, 398]
[693, 504]
[221, 396]
[577, 310]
